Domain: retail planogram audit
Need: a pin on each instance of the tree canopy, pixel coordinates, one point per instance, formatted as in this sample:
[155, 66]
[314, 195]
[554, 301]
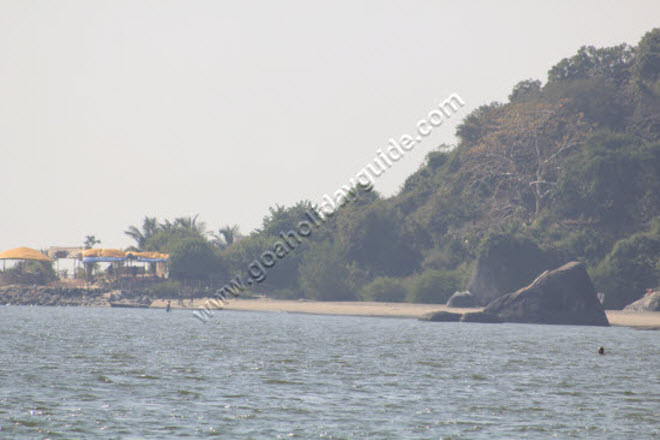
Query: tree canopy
[570, 166]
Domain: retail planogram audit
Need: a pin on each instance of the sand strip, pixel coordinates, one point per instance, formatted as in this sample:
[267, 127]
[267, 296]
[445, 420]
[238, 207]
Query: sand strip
[649, 320]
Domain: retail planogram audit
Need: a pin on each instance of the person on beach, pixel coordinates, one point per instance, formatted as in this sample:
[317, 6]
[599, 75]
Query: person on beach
[169, 306]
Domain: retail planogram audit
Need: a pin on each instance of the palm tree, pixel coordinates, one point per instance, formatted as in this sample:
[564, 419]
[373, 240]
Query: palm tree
[166, 225]
[149, 228]
[136, 235]
[229, 233]
[91, 241]
[226, 236]
[190, 223]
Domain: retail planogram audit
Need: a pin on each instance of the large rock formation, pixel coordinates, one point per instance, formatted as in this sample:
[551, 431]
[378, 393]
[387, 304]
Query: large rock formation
[565, 295]
[507, 264]
[462, 299]
[648, 303]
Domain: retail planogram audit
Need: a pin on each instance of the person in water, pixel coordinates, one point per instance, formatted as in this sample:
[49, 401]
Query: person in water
[169, 306]
[601, 350]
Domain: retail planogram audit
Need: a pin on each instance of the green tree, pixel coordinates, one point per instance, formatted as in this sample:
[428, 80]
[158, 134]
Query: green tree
[477, 123]
[190, 223]
[30, 272]
[646, 76]
[631, 268]
[149, 228]
[612, 181]
[193, 259]
[323, 274]
[167, 238]
[600, 100]
[164, 236]
[647, 60]
[433, 286]
[225, 236]
[282, 235]
[267, 260]
[385, 289]
[282, 219]
[373, 237]
[525, 89]
[91, 241]
[610, 62]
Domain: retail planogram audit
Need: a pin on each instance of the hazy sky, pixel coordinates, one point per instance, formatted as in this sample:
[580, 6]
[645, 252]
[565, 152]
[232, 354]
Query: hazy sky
[113, 110]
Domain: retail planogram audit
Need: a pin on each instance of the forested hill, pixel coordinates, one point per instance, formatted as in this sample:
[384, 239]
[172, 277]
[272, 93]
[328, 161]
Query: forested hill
[571, 165]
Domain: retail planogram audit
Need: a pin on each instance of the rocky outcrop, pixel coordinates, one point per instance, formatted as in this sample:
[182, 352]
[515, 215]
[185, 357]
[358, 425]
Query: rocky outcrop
[507, 264]
[565, 295]
[648, 303]
[462, 299]
[51, 296]
[441, 316]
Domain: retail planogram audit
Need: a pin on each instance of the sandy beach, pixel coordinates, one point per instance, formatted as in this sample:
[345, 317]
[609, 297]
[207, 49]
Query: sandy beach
[349, 308]
[650, 320]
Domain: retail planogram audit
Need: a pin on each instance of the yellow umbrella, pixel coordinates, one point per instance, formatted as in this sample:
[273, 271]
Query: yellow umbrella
[23, 253]
[114, 253]
[155, 255]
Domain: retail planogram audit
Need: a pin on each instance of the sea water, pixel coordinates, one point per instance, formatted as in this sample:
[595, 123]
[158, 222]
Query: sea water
[122, 373]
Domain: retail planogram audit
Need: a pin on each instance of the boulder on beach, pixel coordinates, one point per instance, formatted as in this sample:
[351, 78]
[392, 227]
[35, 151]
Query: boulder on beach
[506, 264]
[564, 295]
[648, 303]
[441, 316]
[462, 299]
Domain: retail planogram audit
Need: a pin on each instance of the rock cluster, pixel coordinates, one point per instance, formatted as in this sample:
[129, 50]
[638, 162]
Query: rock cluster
[50, 296]
[564, 295]
[506, 267]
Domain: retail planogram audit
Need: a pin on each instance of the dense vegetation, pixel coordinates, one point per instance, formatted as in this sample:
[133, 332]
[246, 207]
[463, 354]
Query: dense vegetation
[572, 165]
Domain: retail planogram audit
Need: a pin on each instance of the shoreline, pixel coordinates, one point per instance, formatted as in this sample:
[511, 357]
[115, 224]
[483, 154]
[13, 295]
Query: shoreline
[99, 297]
[620, 318]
